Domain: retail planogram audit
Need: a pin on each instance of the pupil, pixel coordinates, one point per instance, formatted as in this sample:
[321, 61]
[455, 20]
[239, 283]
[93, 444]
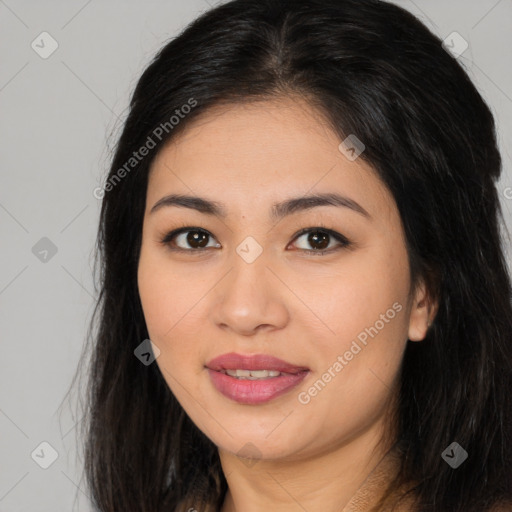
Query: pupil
[198, 237]
[314, 237]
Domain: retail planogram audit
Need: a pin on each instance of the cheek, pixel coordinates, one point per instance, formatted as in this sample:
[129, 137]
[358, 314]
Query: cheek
[365, 310]
[356, 370]
[370, 291]
[154, 297]
[170, 302]
[166, 294]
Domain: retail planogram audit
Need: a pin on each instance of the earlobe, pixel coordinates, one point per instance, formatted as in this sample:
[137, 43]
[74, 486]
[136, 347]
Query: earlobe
[423, 312]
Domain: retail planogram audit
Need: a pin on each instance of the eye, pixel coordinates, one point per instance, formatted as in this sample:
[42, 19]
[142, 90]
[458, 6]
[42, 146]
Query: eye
[319, 238]
[197, 239]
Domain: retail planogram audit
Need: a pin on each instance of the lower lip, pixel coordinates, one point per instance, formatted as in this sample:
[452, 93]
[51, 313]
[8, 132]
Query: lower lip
[245, 391]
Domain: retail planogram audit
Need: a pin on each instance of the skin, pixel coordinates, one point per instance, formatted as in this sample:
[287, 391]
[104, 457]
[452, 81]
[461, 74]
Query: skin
[305, 309]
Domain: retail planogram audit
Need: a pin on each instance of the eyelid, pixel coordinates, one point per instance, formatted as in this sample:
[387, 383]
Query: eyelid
[343, 242]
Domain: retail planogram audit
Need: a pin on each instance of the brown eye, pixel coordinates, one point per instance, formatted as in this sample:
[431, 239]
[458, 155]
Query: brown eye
[188, 239]
[196, 240]
[320, 238]
[197, 237]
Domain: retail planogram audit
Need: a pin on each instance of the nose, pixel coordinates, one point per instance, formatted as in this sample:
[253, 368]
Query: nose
[250, 298]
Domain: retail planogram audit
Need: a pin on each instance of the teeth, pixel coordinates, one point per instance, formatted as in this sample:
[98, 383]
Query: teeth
[253, 374]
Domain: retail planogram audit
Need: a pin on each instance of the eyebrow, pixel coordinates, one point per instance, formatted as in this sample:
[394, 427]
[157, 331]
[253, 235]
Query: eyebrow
[278, 210]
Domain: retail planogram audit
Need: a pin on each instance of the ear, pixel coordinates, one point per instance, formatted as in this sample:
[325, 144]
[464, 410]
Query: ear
[423, 312]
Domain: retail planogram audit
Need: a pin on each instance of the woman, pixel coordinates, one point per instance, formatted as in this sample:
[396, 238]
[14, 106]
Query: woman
[301, 215]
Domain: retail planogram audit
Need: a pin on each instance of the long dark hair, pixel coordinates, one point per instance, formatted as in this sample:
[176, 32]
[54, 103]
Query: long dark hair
[376, 71]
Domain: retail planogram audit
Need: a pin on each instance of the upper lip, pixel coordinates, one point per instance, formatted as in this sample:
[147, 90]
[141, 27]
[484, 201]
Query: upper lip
[234, 361]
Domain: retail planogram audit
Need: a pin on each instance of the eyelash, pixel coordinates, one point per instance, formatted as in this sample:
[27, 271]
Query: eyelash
[345, 243]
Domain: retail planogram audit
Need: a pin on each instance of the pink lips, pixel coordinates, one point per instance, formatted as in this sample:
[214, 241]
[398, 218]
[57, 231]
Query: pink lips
[254, 391]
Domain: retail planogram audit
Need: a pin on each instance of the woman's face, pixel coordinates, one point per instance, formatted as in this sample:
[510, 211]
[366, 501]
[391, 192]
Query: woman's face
[242, 280]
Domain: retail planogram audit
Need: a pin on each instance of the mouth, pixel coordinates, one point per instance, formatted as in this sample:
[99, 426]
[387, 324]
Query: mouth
[253, 363]
[242, 374]
[253, 379]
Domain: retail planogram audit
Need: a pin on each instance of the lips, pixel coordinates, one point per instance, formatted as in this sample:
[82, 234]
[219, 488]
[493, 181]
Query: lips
[254, 392]
[234, 361]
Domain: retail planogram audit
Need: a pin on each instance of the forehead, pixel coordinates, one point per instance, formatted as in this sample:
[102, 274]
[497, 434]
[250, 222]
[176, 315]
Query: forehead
[261, 152]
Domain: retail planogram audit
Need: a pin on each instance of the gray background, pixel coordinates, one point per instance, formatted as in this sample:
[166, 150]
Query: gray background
[60, 120]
